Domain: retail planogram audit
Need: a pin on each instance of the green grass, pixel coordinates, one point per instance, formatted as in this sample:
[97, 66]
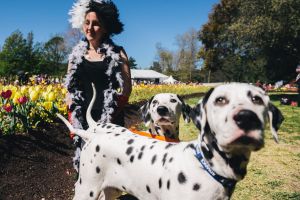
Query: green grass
[274, 171]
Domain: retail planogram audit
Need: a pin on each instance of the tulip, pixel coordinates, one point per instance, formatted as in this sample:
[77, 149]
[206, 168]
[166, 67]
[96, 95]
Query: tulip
[22, 100]
[34, 95]
[7, 107]
[7, 94]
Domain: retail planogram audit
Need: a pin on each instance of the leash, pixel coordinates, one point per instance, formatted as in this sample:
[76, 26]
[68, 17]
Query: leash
[158, 137]
[226, 182]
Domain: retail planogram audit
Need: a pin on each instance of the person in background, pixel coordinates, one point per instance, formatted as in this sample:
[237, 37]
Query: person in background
[298, 83]
[96, 59]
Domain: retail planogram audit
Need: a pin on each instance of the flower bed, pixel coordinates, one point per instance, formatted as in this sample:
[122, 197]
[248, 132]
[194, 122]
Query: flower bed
[26, 107]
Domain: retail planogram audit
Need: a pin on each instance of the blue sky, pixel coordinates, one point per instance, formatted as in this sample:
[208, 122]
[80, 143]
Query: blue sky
[147, 22]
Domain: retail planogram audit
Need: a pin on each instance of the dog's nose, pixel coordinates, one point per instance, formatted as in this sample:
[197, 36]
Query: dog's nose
[162, 110]
[247, 120]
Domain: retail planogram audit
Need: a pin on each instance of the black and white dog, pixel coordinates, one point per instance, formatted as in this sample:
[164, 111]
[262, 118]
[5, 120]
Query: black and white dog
[162, 114]
[231, 118]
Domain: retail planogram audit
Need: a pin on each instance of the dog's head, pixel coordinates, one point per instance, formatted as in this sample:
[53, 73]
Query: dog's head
[165, 109]
[236, 114]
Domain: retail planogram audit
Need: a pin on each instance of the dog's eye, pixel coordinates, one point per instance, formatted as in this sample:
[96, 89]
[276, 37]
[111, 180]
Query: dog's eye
[257, 100]
[221, 101]
[154, 102]
[173, 100]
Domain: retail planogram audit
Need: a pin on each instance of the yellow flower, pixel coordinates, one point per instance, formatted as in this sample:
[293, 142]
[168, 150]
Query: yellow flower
[47, 105]
[34, 95]
[51, 96]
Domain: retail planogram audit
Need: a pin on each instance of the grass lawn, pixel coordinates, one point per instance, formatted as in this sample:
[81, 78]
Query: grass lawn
[274, 171]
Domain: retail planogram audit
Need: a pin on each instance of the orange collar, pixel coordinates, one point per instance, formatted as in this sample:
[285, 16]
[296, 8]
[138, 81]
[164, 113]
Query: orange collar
[157, 137]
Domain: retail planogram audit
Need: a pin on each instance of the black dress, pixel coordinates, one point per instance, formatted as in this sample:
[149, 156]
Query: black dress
[95, 72]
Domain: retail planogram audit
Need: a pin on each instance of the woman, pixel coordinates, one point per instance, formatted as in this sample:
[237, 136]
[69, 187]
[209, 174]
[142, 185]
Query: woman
[96, 59]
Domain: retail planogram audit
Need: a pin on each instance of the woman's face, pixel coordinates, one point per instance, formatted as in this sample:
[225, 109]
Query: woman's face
[92, 27]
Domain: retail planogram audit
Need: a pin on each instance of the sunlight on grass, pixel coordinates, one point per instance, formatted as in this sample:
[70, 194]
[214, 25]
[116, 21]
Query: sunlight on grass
[274, 171]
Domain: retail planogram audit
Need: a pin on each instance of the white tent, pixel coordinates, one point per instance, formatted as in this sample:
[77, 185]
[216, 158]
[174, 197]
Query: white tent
[143, 74]
[170, 80]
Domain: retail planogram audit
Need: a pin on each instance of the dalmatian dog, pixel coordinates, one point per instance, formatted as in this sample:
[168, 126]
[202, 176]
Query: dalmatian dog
[231, 119]
[162, 114]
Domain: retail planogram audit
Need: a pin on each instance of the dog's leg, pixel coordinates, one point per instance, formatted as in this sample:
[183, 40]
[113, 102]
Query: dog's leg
[86, 191]
[110, 194]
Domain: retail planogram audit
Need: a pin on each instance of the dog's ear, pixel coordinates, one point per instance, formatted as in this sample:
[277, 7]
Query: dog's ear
[276, 118]
[185, 110]
[198, 113]
[145, 112]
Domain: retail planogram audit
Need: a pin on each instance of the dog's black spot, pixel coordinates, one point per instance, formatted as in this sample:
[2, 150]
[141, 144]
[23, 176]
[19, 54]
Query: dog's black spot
[130, 141]
[104, 156]
[98, 170]
[91, 194]
[164, 159]
[124, 188]
[108, 127]
[80, 181]
[140, 155]
[97, 148]
[171, 159]
[150, 131]
[157, 129]
[153, 159]
[148, 189]
[168, 184]
[143, 147]
[181, 178]
[207, 154]
[123, 130]
[196, 187]
[226, 119]
[154, 142]
[103, 125]
[82, 164]
[192, 146]
[91, 161]
[159, 183]
[131, 158]
[94, 155]
[151, 147]
[119, 161]
[169, 145]
[235, 163]
[129, 150]
[117, 134]
[108, 132]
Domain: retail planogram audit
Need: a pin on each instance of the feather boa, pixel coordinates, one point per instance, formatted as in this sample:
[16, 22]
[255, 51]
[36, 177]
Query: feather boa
[113, 72]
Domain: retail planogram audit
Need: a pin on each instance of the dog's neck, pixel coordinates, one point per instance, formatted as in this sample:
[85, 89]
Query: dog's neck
[232, 165]
[170, 131]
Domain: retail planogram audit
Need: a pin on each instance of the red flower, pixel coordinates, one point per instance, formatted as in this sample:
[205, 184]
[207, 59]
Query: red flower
[294, 103]
[22, 100]
[8, 107]
[6, 94]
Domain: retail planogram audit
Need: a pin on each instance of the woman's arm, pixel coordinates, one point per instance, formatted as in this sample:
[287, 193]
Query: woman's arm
[126, 76]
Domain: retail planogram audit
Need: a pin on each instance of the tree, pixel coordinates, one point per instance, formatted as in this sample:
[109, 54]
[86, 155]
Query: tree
[249, 40]
[131, 63]
[13, 54]
[156, 67]
[188, 46]
[55, 52]
[165, 59]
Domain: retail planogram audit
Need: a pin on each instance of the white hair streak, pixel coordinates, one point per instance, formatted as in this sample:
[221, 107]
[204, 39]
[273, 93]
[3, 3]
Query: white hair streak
[78, 12]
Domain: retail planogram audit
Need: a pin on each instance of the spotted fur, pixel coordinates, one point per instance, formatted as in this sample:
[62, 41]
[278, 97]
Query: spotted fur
[151, 169]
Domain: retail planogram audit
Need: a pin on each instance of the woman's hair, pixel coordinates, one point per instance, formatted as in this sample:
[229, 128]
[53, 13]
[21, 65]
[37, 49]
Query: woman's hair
[108, 14]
